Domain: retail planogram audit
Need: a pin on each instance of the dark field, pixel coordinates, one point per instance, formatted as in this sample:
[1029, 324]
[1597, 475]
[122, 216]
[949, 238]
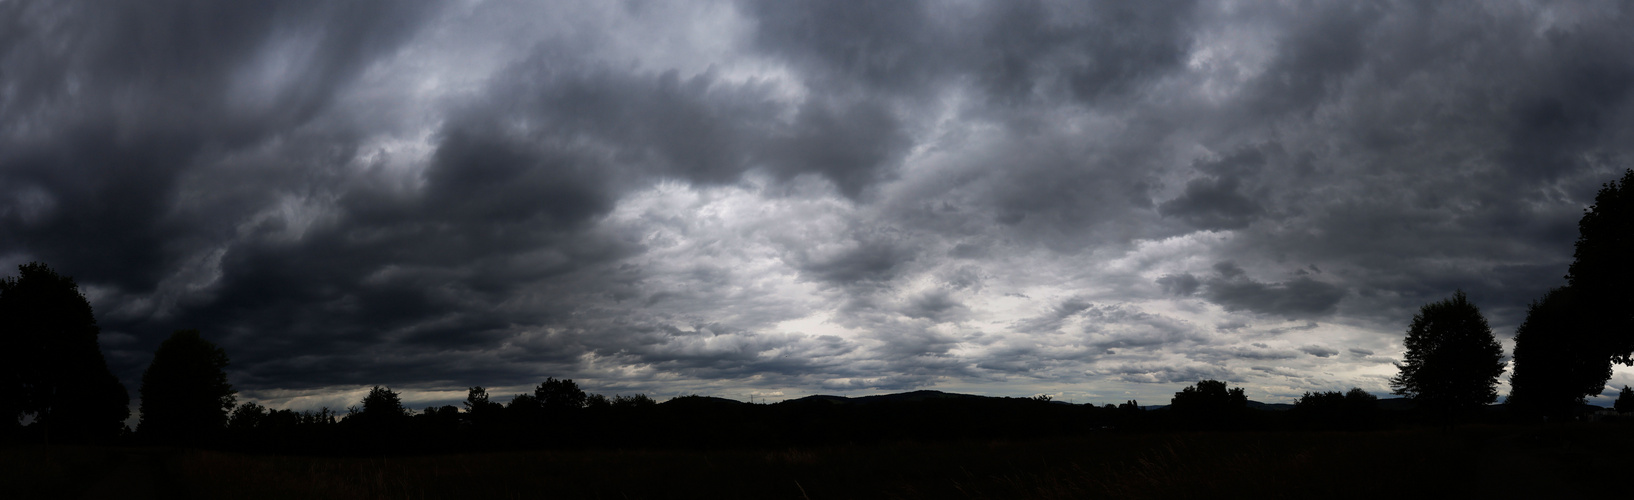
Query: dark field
[1468, 462]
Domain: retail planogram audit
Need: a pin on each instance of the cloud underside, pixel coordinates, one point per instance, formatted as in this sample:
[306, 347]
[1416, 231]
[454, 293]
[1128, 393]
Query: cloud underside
[1106, 198]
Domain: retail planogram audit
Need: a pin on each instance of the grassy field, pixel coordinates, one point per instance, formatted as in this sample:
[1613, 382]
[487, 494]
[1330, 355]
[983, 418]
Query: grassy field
[1483, 461]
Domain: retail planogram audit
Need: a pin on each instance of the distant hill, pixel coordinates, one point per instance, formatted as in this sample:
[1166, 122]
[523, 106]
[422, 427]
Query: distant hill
[1253, 405]
[914, 396]
[1387, 404]
[1269, 406]
[696, 401]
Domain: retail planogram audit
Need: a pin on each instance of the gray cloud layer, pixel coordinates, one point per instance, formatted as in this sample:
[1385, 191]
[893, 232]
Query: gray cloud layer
[1099, 200]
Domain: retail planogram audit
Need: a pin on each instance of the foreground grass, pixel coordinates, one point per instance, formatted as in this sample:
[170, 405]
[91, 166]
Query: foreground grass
[1500, 462]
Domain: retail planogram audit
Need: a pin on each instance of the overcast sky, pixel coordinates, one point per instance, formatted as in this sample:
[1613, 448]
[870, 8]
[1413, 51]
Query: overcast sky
[1099, 201]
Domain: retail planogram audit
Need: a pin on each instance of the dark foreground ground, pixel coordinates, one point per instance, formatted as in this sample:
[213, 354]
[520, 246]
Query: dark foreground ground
[1557, 461]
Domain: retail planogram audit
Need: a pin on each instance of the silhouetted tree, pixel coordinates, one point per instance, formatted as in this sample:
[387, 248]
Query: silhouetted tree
[1210, 404]
[444, 414]
[323, 417]
[632, 402]
[1128, 411]
[523, 403]
[560, 395]
[1625, 401]
[246, 417]
[382, 407]
[597, 402]
[479, 410]
[1453, 362]
[185, 394]
[1354, 409]
[1209, 397]
[524, 410]
[51, 365]
[1602, 269]
[439, 422]
[1557, 359]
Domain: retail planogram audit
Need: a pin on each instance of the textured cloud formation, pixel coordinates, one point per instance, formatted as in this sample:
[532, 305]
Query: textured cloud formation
[1101, 201]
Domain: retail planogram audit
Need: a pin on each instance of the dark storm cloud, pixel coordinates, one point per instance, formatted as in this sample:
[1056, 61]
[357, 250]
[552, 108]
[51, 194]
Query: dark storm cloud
[873, 259]
[817, 196]
[1323, 46]
[694, 128]
[1212, 204]
[1020, 49]
[935, 305]
[853, 145]
[1521, 130]
[1217, 202]
[515, 175]
[1573, 106]
[1300, 297]
[1182, 284]
[110, 104]
[1029, 58]
[122, 118]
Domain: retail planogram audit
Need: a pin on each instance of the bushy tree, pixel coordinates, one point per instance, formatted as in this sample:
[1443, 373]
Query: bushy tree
[1557, 362]
[597, 402]
[1210, 405]
[1625, 401]
[51, 365]
[524, 410]
[1209, 397]
[383, 406]
[1453, 361]
[1354, 409]
[632, 402]
[560, 395]
[246, 417]
[437, 423]
[1602, 269]
[185, 394]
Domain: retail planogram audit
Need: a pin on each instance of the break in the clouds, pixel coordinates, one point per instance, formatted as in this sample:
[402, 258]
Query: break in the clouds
[1097, 200]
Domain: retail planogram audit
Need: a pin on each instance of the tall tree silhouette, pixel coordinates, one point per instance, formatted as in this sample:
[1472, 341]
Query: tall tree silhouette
[1453, 362]
[1625, 401]
[479, 410]
[51, 365]
[1602, 270]
[1557, 357]
[185, 394]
